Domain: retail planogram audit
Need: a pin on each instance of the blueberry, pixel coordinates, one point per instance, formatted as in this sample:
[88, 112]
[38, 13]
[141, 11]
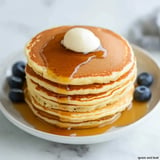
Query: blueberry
[142, 94]
[145, 79]
[15, 82]
[18, 69]
[16, 95]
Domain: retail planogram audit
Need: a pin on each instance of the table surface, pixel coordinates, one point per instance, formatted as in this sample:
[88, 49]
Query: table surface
[19, 21]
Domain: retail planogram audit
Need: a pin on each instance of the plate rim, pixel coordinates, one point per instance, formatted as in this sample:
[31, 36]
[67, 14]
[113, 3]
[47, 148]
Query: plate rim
[109, 135]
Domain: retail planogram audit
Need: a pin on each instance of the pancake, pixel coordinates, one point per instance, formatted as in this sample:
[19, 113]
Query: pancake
[89, 99]
[43, 57]
[76, 90]
[105, 115]
[79, 89]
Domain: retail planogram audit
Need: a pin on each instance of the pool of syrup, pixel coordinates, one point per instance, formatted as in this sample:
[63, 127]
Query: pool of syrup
[127, 117]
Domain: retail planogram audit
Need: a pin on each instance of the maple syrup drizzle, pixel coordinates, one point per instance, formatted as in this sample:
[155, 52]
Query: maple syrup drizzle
[127, 117]
[53, 53]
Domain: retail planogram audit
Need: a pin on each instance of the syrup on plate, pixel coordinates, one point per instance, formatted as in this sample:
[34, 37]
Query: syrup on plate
[127, 117]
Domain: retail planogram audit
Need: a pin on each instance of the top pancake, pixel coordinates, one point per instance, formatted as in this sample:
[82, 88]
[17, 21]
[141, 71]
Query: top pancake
[50, 59]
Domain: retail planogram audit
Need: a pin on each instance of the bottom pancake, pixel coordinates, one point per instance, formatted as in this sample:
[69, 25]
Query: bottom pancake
[90, 124]
[106, 115]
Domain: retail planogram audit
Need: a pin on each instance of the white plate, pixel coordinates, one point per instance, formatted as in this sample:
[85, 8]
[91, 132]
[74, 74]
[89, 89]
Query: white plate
[145, 63]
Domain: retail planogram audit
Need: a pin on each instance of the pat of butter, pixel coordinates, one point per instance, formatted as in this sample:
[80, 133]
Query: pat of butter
[81, 40]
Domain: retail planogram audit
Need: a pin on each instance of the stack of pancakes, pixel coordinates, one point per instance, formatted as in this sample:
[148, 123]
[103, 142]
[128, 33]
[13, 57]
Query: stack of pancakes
[76, 90]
